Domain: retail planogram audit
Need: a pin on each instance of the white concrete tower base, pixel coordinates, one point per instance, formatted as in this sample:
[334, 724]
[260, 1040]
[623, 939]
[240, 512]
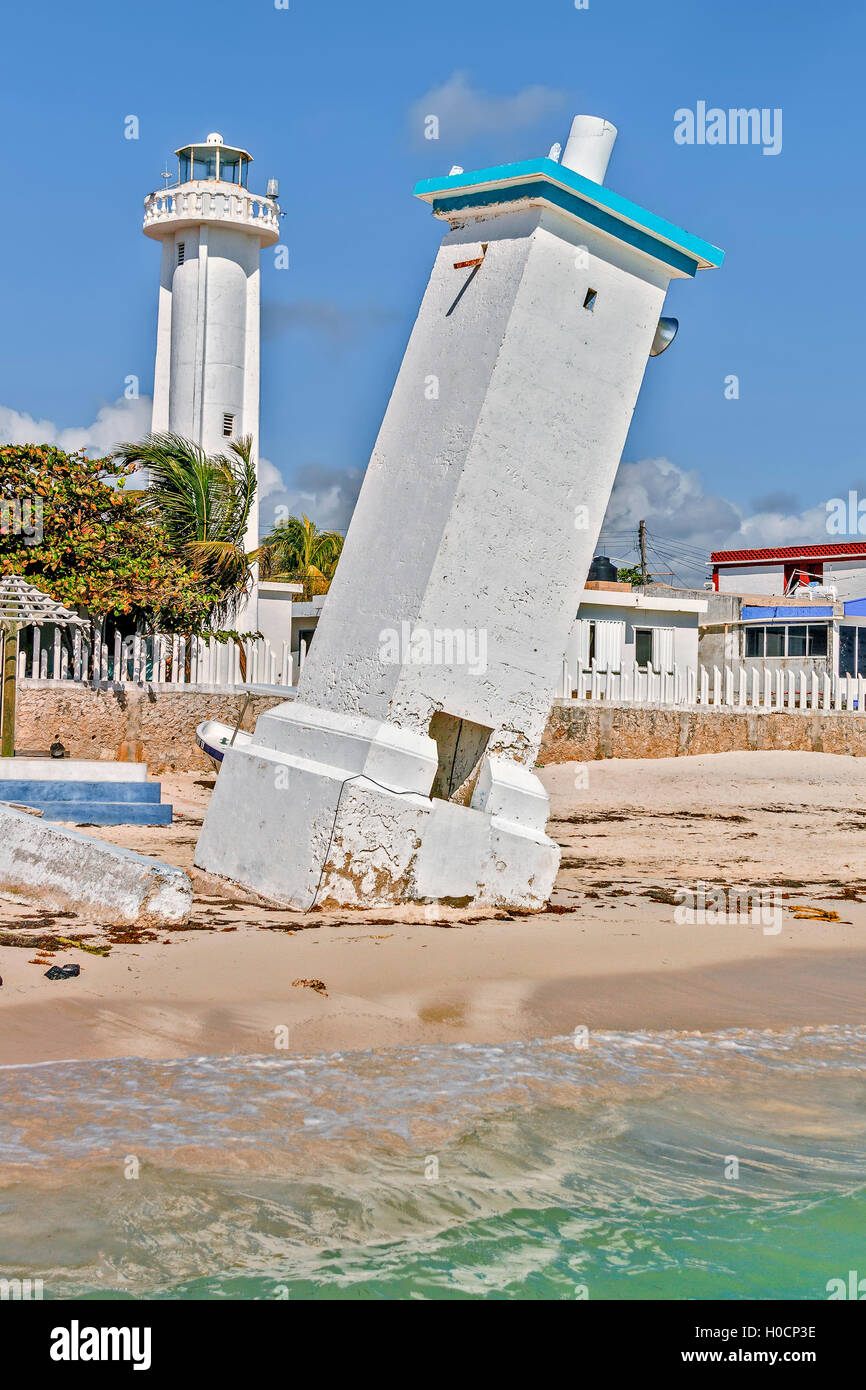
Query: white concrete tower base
[338, 812]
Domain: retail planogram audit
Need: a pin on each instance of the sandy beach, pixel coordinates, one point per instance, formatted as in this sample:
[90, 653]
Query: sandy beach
[608, 954]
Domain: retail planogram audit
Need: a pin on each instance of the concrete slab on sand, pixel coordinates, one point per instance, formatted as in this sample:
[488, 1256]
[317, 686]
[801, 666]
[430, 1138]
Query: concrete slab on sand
[50, 866]
[70, 770]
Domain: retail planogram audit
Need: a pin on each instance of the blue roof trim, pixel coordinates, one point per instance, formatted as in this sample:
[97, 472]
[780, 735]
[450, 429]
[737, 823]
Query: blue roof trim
[576, 194]
[587, 212]
[783, 614]
[856, 607]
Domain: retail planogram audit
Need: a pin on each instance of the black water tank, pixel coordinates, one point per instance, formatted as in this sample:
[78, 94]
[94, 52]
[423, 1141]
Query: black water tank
[602, 570]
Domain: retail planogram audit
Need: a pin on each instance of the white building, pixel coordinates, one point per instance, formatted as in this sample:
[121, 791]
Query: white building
[618, 627]
[801, 606]
[283, 618]
[212, 230]
[396, 776]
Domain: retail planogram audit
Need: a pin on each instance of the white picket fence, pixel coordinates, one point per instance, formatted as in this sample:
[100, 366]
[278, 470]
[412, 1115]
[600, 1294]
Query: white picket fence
[157, 659]
[729, 687]
[173, 661]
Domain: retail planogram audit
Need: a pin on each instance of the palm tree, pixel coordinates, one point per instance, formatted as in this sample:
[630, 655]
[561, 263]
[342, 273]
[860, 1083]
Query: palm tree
[296, 550]
[203, 502]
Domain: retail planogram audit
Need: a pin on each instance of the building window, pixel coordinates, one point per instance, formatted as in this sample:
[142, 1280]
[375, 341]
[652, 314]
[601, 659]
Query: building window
[591, 297]
[204, 163]
[181, 252]
[643, 646]
[852, 651]
[797, 640]
[775, 644]
[228, 426]
[786, 640]
[230, 166]
[818, 640]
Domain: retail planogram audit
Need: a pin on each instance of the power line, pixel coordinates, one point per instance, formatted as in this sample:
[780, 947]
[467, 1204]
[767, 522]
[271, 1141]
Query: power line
[675, 543]
[673, 560]
[672, 553]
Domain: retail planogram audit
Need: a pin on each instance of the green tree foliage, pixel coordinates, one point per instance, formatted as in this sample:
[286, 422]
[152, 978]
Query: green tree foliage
[203, 502]
[91, 547]
[630, 574]
[297, 551]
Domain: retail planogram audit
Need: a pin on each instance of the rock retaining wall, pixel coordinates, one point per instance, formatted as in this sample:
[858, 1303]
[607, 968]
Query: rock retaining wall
[158, 726]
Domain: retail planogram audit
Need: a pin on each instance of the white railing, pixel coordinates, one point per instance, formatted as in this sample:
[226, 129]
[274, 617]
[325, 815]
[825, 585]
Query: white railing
[206, 204]
[755, 686]
[157, 659]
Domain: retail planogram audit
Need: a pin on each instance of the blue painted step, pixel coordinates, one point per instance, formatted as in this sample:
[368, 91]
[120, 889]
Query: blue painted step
[35, 792]
[90, 803]
[104, 812]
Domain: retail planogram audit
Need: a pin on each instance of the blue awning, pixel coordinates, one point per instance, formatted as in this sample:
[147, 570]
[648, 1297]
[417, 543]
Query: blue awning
[783, 615]
[856, 607]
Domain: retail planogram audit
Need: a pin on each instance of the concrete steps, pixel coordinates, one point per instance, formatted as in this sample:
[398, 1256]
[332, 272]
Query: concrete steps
[103, 812]
[80, 802]
[29, 792]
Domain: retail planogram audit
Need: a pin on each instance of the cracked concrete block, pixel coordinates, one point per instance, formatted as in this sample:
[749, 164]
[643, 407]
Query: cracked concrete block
[50, 866]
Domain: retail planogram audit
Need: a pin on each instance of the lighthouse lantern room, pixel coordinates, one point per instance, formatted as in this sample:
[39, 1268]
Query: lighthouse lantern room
[215, 161]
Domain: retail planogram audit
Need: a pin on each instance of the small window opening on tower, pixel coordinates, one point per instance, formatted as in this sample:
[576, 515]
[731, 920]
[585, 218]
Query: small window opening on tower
[228, 426]
[591, 297]
[181, 252]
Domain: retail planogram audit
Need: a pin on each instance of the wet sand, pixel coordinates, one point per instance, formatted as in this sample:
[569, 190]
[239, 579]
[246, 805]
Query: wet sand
[609, 953]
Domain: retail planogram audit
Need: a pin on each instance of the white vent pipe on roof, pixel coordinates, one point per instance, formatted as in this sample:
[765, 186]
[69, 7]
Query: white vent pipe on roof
[589, 147]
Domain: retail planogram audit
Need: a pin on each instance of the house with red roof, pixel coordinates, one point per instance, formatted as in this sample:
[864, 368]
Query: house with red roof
[802, 605]
[782, 569]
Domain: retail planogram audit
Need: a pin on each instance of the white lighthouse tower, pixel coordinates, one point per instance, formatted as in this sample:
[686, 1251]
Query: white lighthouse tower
[405, 768]
[212, 229]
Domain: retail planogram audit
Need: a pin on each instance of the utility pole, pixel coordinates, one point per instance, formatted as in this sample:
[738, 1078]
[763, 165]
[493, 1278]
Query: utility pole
[641, 535]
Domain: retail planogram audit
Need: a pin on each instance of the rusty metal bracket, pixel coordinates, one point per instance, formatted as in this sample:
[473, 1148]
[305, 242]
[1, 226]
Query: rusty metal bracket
[464, 265]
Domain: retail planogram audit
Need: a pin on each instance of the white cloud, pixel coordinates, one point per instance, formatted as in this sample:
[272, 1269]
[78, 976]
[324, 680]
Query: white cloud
[683, 519]
[270, 479]
[463, 111]
[326, 495]
[778, 528]
[326, 508]
[672, 500]
[680, 511]
[122, 420]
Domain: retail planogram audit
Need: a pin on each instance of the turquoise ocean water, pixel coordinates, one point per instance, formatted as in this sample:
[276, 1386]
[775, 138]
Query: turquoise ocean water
[670, 1166]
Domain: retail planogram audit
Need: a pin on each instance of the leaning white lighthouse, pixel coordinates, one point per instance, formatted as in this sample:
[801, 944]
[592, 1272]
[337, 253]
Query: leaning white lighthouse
[212, 229]
[404, 770]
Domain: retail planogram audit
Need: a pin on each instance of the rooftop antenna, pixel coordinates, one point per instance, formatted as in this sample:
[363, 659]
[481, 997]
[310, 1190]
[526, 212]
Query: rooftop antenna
[166, 174]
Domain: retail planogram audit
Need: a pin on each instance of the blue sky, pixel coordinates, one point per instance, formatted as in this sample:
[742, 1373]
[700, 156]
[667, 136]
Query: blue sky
[328, 96]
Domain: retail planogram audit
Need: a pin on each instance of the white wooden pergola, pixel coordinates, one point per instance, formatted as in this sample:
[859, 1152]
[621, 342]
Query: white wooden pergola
[23, 605]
